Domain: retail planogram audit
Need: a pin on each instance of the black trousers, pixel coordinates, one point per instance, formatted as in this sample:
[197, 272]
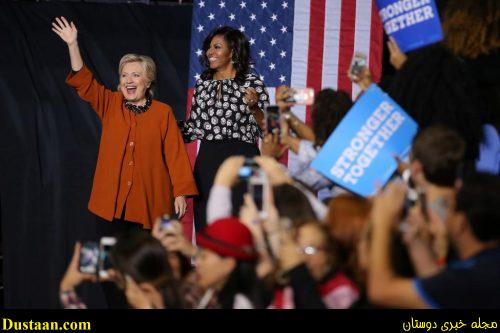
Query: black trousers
[210, 156]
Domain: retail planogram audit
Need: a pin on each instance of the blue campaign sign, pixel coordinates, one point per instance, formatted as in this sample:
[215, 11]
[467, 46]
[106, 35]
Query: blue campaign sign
[412, 23]
[359, 154]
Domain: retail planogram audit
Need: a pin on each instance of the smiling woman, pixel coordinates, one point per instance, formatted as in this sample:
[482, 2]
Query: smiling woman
[143, 170]
[137, 78]
[226, 111]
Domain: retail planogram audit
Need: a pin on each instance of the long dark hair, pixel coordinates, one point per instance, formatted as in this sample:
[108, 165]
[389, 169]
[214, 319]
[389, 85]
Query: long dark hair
[243, 280]
[434, 87]
[240, 46]
[144, 259]
[471, 27]
[329, 108]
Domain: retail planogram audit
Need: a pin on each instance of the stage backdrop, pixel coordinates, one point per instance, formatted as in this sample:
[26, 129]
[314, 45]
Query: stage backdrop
[299, 43]
[49, 137]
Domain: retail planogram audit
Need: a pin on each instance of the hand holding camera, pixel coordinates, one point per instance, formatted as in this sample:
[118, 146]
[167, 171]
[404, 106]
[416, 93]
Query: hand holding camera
[169, 232]
[255, 179]
[74, 276]
[272, 147]
[227, 175]
[359, 72]
[94, 258]
[273, 118]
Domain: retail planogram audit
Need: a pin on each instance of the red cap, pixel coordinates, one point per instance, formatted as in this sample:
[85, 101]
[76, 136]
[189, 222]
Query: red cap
[228, 237]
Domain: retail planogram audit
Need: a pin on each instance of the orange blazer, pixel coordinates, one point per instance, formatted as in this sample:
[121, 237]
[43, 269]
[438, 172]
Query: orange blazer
[142, 160]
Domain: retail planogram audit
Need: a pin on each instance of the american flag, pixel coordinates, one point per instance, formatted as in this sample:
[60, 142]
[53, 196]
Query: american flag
[299, 43]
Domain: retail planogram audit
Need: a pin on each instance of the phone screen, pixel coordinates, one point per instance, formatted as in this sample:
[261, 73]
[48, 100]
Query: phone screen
[89, 257]
[272, 119]
[358, 64]
[304, 96]
[106, 264]
[104, 255]
[245, 172]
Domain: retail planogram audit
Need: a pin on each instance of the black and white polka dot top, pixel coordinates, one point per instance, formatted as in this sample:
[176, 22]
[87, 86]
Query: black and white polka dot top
[219, 111]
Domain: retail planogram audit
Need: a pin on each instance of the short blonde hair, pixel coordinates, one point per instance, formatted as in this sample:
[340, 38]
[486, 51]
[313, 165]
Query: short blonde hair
[149, 69]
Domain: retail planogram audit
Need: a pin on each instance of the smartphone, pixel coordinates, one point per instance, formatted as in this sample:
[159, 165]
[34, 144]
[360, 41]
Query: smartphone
[166, 223]
[248, 169]
[302, 96]
[358, 64]
[105, 246]
[256, 185]
[412, 196]
[272, 114]
[89, 257]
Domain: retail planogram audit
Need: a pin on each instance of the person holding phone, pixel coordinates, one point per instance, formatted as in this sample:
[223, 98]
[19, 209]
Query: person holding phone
[226, 111]
[139, 268]
[328, 109]
[143, 169]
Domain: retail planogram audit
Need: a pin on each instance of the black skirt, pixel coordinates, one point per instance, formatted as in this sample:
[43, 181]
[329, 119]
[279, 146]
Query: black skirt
[210, 156]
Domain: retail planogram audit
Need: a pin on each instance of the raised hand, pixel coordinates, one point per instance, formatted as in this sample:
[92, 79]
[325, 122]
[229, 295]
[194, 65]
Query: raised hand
[73, 277]
[397, 57]
[67, 31]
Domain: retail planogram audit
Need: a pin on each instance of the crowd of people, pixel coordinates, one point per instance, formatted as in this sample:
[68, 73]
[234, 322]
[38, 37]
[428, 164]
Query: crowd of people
[429, 239]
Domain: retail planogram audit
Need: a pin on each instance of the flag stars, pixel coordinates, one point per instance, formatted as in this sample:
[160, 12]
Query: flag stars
[262, 54]
[263, 4]
[273, 41]
[199, 52]
[282, 78]
[272, 66]
[261, 77]
[274, 17]
[242, 28]
[197, 77]
[252, 41]
[201, 4]
[284, 4]
[232, 17]
[211, 16]
[200, 28]
[283, 54]
[222, 4]
[262, 29]
[284, 29]
[243, 4]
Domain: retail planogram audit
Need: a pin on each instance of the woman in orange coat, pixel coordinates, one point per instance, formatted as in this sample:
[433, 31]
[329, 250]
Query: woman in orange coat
[143, 169]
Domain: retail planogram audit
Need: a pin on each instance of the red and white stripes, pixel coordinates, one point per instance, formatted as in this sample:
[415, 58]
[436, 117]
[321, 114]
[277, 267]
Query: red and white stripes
[326, 34]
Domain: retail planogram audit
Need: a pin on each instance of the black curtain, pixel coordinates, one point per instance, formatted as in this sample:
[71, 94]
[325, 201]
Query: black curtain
[49, 138]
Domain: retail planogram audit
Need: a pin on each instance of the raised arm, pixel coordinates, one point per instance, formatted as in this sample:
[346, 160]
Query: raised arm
[81, 78]
[69, 33]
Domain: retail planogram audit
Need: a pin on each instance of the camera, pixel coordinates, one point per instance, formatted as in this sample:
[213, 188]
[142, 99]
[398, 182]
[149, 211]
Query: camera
[358, 64]
[105, 246]
[89, 257]
[256, 185]
[94, 257]
[255, 178]
[413, 196]
[166, 223]
[272, 115]
[302, 96]
[248, 169]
